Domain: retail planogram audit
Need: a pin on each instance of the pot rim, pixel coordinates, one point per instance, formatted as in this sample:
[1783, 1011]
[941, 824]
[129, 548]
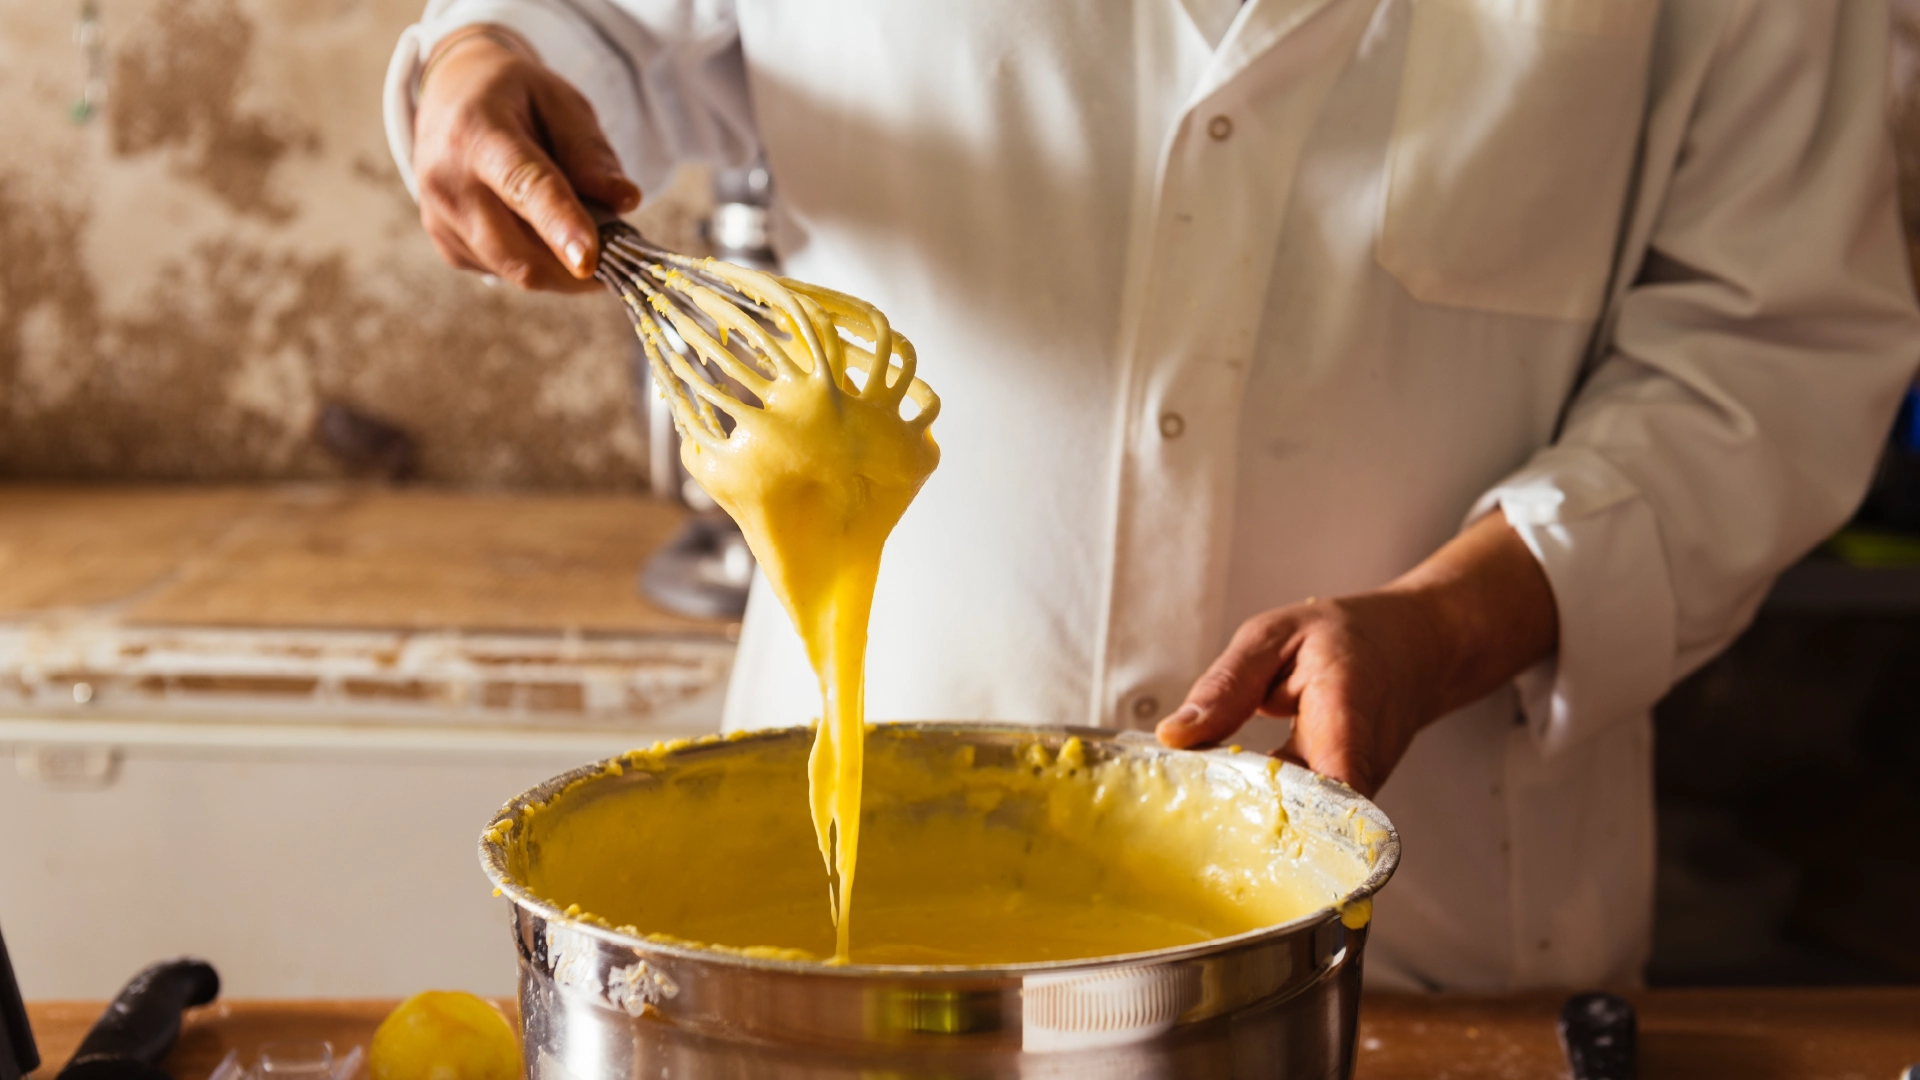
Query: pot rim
[1386, 859]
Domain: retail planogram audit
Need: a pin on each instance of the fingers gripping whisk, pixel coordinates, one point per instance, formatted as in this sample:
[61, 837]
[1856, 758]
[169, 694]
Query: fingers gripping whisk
[721, 339]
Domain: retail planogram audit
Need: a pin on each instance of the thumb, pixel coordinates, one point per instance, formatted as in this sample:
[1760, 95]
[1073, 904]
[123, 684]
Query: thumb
[1235, 685]
[580, 148]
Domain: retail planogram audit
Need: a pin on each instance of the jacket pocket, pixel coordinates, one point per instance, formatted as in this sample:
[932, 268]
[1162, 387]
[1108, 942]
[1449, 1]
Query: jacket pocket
[1514, 140]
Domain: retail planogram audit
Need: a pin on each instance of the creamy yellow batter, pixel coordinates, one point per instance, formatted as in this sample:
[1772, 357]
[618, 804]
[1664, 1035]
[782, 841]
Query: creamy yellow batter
[817, 473]
[970, 857]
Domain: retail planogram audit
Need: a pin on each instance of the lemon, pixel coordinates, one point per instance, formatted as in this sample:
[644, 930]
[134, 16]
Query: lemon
[444, 1035]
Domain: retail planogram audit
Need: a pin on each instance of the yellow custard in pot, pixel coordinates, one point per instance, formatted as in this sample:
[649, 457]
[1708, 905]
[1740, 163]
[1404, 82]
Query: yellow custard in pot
[969, 856]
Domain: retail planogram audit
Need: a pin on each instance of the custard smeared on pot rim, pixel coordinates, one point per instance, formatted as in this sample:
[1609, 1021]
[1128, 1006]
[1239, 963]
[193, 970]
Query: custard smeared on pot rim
[817, 474]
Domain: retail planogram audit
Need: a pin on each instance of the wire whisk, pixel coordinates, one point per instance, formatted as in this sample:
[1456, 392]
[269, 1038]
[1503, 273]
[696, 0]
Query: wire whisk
[722, 339]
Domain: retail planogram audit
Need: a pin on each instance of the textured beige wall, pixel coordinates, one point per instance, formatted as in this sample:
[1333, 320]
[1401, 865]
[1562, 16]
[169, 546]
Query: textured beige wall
[187, 278]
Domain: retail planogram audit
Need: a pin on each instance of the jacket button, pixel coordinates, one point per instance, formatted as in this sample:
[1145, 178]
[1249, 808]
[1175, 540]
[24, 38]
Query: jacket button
[1146, 707]
[1220, 127]
[1172, 425]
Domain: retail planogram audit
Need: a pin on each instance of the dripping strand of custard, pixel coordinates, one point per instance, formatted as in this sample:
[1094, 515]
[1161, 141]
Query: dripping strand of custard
[816, 470]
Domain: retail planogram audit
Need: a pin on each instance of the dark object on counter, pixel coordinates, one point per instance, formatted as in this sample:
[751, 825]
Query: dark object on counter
[18, 1055]
[704, 572]
[366, 445]
[1597, 1032]
[135, 1033]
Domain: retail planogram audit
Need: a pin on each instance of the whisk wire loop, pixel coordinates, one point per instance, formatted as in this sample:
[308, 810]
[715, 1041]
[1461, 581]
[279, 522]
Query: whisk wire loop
[719, 338]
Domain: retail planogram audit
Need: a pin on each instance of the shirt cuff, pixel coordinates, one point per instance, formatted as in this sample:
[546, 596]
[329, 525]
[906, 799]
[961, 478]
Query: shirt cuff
[1598, 542]
[562, 39]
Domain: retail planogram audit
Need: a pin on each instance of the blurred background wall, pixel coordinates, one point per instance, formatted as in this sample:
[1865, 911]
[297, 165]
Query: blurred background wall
[194, 266]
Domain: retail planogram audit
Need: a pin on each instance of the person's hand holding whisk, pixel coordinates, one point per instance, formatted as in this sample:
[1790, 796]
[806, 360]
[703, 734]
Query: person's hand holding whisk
[503, 150]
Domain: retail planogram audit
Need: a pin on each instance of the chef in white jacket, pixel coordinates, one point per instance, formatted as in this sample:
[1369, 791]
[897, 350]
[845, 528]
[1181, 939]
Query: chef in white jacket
[1531, 337]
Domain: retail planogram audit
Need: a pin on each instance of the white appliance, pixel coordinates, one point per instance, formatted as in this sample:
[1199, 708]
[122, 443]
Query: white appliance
[319, 845]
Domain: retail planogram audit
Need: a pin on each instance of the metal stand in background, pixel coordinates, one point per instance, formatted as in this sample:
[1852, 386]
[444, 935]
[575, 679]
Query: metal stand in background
[706, 570]
[18, 1055]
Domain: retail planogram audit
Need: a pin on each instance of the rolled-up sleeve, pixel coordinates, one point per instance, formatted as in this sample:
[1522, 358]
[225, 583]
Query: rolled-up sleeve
[1749, 377]
[665, 78]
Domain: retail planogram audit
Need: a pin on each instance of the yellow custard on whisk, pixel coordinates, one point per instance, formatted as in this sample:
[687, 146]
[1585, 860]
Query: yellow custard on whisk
[816, 470]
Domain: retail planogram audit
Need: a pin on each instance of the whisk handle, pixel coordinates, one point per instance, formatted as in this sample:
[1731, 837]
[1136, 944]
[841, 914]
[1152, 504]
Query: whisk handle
[601, 213]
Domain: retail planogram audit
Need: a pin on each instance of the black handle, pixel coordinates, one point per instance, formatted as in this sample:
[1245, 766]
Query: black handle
[1598, 1033]
[143, 1022]
[18, 1055]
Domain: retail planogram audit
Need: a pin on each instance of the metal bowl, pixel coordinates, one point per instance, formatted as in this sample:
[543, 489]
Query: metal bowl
[599, 1004]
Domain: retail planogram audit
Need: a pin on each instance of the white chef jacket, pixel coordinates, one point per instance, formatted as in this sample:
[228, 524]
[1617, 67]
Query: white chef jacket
[1231, 306]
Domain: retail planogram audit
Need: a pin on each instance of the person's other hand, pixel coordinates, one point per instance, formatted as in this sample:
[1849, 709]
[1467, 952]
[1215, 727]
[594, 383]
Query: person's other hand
[1363, 674]
[503, 149]
[1359, 675]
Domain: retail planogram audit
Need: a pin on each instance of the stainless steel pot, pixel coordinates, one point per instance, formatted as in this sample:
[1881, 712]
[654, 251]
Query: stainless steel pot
[597, 1004]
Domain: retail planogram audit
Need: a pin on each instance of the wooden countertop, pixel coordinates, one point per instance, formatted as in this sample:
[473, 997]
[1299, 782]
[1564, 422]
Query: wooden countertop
[1809, 1034]
[1867, 1034]
[341, 604]
[334, 556]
